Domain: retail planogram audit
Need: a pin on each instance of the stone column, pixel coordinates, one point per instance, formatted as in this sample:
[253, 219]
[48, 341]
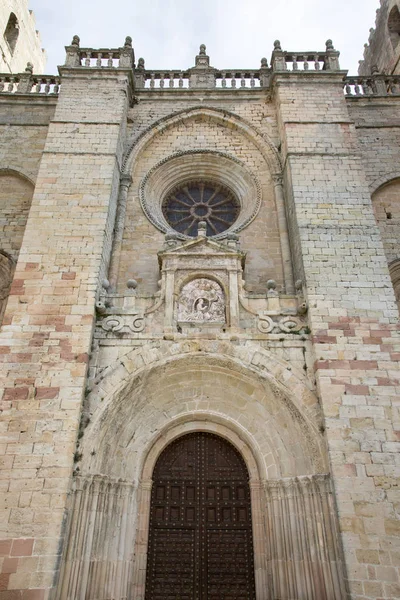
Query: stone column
[99, 557]
[338, 250]
[303, 545]
[283, 233]
[124, 185]
[47, 332]
[139, 575]
[263, 582]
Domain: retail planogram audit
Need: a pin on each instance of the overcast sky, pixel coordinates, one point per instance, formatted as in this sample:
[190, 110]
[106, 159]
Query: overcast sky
[237, 33]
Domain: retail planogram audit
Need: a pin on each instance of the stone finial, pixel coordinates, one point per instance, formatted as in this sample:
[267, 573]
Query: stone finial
[202, 75]
[264, 63]
[271, 284]
[332, 57]
[72, 58]
[278, 61]
[105, 284]
[171, 240]
[232, 240]
[131, 284]
[202, 229]
[140, 76]
[127, 55]
[25, 80]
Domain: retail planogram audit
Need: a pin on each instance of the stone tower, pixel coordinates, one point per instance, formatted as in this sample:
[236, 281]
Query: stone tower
[200, 350]
[382, 52]
[20, 41]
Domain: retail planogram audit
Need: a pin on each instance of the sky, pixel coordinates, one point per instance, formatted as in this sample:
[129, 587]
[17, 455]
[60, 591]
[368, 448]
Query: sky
[237, 33]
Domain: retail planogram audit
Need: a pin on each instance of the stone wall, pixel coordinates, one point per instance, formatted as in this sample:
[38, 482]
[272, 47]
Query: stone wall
[23, 130]
[354, 321]
[142, 240]
[62, 256]
[383, 48]
[98, 376]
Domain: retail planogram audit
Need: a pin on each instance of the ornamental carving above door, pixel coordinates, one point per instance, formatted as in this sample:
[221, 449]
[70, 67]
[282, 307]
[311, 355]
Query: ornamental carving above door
[200, 535]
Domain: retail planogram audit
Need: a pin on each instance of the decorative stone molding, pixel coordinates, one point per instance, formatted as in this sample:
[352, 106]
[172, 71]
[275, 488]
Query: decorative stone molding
[304, 554]
[289, 324]
[202, 75]
[383, 180]
[119, 324]
[292, 391]
[94, 558]
[219, 116]
[202, 300]
[209, 165]
[203, 275]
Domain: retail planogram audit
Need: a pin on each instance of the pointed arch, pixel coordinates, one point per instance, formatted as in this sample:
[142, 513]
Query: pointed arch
[222, 117]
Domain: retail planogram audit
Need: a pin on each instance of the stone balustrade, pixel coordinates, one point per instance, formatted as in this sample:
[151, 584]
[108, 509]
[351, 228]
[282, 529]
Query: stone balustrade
[372, 85]
[26, 83]
[99, 58]
[174, 78]
[162, 79]
[244, 78]
[305, 61]
[202, 75]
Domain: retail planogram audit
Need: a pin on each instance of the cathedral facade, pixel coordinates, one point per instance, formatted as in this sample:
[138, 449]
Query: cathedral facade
[199, 287]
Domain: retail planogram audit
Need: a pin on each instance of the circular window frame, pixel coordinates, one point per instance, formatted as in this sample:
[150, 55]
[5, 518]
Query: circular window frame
[219, 189]
[200, 165]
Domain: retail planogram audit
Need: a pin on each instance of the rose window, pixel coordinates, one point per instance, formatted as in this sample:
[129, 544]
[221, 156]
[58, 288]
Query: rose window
[189, 204]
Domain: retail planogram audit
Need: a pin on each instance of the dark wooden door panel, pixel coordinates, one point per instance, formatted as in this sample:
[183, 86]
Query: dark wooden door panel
[200, 538]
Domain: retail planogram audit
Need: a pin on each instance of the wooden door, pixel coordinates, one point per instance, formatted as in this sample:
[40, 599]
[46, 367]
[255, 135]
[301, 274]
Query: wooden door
[200, 537]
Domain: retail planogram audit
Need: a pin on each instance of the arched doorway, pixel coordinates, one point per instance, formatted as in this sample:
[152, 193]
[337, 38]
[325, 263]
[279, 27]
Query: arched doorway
[200, 536]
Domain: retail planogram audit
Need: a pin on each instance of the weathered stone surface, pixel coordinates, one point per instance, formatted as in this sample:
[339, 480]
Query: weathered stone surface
[109, 347]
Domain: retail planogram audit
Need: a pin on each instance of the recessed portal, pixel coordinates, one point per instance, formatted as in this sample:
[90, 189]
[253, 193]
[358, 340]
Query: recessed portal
[200, 535]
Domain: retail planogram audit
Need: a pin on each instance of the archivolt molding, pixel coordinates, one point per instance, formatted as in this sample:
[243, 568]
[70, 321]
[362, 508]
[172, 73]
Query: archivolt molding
[121, 379]
[381, 181]
[174, 169]
[208, 422]
[16, 172]
[224, 117]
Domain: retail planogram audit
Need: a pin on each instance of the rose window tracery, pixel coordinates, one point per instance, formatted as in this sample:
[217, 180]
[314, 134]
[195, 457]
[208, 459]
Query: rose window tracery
[193, 202]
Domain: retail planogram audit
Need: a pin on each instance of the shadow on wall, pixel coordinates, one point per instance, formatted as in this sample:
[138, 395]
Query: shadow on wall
[16, 193]
[386, 204]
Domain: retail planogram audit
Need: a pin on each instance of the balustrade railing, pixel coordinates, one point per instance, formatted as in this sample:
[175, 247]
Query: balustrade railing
[26, 83]
[305, 61]
[156, 80]
[99, 58]
[164, 79]
[202, 75]
[237, 79]
[372, 85]
[9, 83]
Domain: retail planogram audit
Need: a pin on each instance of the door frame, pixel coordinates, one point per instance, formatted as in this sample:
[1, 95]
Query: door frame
[236, 437]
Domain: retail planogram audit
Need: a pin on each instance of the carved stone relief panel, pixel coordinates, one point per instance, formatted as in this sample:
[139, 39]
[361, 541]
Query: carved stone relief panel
[202, 300]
